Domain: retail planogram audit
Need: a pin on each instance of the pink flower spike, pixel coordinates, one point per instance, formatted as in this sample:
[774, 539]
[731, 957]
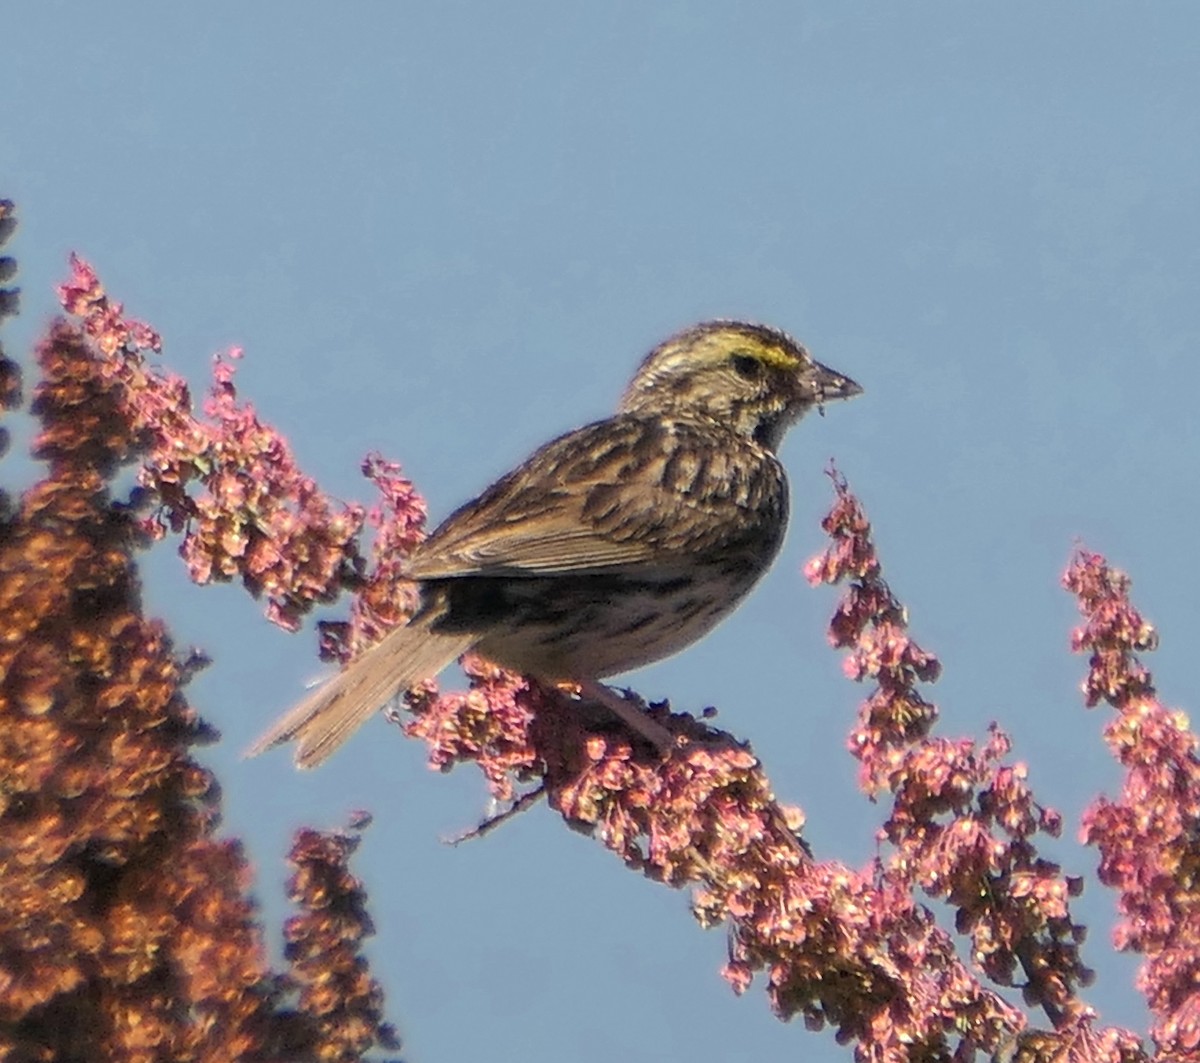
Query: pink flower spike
[1147, 836]
[962, 820]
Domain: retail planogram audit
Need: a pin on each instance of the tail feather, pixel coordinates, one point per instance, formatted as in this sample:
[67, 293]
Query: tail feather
[336, 709]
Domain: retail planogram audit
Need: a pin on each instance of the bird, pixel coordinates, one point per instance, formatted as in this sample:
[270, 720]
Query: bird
[611, 546]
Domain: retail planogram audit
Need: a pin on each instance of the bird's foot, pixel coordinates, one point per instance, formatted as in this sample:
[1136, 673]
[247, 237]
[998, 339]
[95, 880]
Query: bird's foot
[663, 739]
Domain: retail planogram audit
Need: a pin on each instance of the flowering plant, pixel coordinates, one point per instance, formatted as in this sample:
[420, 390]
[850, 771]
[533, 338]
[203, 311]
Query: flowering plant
[128, 931]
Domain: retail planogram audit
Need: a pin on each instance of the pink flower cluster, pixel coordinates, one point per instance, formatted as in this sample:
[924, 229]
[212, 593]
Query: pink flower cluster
[963, 822]
[229, 483]
[385, 597]
[836, 946]
[1149, 836]
[489, 725]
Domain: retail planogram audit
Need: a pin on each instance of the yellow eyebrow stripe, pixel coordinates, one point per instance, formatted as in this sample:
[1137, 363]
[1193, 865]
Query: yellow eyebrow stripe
[775, 357]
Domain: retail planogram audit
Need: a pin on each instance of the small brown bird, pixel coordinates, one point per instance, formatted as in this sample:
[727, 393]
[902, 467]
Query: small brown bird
[611, 546]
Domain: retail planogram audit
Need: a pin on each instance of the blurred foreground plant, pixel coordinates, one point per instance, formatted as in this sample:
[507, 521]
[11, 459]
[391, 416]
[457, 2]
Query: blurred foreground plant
[102, 799]
[127, 931]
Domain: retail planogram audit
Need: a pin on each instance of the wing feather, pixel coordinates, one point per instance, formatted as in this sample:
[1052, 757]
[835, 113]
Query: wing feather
[614, 495]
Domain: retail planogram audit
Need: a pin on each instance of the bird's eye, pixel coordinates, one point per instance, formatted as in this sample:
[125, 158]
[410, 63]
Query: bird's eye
[747, 366]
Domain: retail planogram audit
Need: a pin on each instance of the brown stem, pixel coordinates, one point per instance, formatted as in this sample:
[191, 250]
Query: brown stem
[490, 823]
[1024, 953]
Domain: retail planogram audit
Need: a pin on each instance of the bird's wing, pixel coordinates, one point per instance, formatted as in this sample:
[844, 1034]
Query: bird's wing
[613, 495]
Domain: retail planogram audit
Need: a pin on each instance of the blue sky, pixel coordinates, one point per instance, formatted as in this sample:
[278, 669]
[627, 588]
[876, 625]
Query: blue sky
[450, 231]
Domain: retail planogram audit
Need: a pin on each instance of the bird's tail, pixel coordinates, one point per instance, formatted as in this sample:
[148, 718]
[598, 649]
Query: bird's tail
[336, 709]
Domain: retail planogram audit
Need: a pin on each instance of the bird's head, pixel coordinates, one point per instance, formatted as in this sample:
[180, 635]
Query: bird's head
[755, 379]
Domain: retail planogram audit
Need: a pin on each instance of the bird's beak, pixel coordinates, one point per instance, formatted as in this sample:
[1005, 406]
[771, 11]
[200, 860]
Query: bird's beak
[825, 385]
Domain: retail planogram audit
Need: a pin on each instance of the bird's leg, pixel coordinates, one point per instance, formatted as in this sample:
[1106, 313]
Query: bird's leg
[663, 740]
